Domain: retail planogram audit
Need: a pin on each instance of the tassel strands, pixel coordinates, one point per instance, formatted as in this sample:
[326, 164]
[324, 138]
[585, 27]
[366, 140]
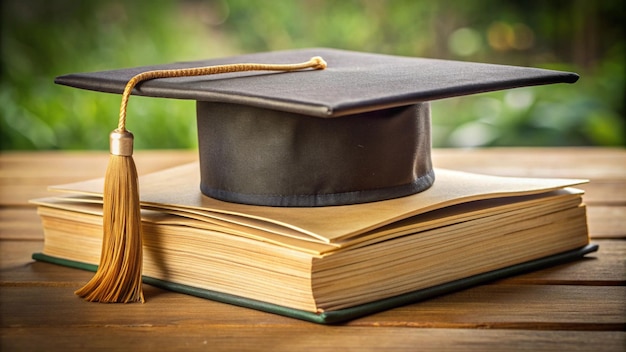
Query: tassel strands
[118, 278]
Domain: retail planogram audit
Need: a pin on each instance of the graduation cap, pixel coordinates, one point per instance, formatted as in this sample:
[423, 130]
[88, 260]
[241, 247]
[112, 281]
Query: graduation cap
[342, 128]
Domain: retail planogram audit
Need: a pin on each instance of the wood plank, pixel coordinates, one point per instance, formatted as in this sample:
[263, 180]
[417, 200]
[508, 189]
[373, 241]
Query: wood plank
[605, 192]
[490, 306]
[42, 305]
[20, 223]
[541, 307]
[606, 221]
[26, 175]
[605, 267]
[41, 274]
[257, 337]
[17, 253]
[589, 163]
[605, 167]
[526, 307]
[78, 165]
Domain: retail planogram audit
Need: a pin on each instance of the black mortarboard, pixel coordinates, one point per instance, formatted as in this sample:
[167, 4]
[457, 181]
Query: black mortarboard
[358, 131]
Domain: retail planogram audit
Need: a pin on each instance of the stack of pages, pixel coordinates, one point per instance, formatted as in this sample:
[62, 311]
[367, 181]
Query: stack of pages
[330, 264]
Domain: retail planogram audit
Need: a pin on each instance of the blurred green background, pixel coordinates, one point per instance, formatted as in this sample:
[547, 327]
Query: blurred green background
[41, 39]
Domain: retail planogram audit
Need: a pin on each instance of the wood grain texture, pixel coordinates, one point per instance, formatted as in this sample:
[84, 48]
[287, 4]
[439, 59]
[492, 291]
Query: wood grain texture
[25, 175]
[607, 221]
[258, 337]
[588, 163]
[20, 223]
[528, 307]
[605, 168]
[541, 307]
[578, 306]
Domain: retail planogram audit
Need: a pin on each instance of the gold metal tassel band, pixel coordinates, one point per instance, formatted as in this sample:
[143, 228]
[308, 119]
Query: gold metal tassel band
[118, 278]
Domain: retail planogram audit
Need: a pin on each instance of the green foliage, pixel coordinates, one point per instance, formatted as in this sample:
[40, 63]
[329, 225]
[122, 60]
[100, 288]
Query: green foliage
[585, 113]
[41, 39]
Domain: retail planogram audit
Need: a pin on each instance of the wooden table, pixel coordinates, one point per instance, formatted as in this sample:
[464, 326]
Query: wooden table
[576, 306]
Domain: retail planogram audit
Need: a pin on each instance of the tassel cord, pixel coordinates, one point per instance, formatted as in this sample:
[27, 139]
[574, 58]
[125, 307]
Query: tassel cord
[316, 63]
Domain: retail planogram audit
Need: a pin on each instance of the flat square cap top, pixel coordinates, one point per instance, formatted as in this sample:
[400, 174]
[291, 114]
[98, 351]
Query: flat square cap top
[352, 83]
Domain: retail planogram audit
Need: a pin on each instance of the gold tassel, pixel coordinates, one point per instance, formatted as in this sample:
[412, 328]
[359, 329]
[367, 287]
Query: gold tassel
[118, 278]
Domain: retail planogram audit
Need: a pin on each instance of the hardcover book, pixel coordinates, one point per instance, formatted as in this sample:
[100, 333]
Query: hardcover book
[333, 263]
